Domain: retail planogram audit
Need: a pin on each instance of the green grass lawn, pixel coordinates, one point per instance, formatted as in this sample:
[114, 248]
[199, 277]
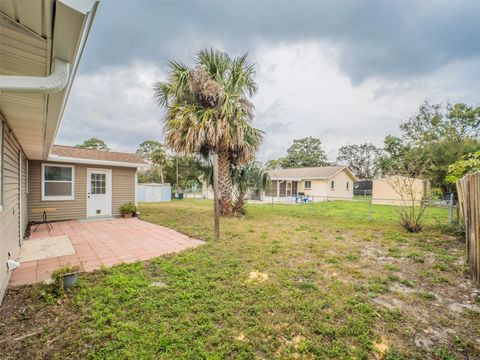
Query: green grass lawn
[330, 284]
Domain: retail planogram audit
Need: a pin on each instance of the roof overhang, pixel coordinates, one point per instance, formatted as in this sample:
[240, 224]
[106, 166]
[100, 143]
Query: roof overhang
[73, 160]
[297, 179]
[42, 43]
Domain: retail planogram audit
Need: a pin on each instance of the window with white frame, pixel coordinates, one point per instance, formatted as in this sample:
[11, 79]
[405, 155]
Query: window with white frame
[332, 185]
[348, 186]
[58, 182]
[307, 185]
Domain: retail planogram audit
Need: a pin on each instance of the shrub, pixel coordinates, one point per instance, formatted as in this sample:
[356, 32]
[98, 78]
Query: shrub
[128, 208]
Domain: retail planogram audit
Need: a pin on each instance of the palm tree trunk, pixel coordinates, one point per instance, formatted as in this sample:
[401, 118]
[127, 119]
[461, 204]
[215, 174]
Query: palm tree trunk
[225, 183]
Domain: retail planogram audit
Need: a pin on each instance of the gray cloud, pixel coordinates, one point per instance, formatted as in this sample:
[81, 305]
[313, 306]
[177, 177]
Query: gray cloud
[387, 39]
[346, 72]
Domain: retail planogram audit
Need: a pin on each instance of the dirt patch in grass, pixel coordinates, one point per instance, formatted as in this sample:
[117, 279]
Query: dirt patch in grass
[33, 327]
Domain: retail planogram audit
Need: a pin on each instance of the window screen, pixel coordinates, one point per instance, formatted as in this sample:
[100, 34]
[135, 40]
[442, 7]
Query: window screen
[308, 185]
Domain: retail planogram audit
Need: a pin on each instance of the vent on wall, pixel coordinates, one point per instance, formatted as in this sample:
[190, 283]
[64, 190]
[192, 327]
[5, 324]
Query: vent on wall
[99, 211]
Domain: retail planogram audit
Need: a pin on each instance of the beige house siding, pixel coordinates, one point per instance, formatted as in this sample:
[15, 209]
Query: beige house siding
[123, 191]
[10, 215]
[321, 189]
[396, 190]
[317, 189]
[123, 184]
[340, 191]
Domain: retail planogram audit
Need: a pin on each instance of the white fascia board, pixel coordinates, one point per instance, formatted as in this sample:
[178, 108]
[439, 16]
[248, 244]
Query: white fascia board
[57, 102]
[72, 160]
[297, 179]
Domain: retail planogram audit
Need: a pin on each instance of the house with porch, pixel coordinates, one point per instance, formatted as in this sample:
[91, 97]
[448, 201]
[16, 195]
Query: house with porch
[316, 183]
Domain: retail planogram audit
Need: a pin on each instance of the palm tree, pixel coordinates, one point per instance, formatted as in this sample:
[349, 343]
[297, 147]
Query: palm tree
[208, 111]
[159, 159]
[246, 178]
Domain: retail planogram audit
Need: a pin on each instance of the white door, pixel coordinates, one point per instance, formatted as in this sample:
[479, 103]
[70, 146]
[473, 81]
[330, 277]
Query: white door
[99, 192]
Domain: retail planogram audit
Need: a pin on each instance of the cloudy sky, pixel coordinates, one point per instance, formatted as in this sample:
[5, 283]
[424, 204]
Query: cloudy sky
[344, 71]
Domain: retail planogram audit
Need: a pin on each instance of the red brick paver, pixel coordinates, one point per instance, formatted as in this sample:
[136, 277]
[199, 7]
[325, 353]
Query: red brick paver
[108, 242]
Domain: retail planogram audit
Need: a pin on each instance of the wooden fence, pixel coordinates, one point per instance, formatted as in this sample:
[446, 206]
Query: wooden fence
[468, 189]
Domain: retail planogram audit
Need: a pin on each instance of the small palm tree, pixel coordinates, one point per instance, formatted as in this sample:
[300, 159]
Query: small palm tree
[159, 159]
[246, 178]
[208, 111]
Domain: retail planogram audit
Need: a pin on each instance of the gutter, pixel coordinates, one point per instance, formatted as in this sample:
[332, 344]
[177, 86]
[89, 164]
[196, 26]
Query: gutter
[73, 160]
[51, 84]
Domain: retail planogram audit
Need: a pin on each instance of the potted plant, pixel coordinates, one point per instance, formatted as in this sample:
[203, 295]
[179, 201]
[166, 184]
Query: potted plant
[128, 210]
[65, 278]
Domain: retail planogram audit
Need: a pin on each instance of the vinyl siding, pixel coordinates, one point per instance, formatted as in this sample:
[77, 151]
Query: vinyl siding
[123, 191]
[10, 215]
[340, 192]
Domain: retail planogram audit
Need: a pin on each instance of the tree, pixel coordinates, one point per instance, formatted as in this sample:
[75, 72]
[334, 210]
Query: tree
[94, 144]
[361, 159]
[435, 137]
[468, 164]
[306, 152]
[251, 176]
[273, 164]
[208, 111]
[159, 160]
[146, 148]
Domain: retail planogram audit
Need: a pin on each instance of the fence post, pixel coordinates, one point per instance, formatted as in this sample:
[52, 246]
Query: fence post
[369, 209]
[450, 210]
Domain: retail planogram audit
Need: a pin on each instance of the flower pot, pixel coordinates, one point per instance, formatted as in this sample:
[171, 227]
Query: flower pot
[69, 280]
[127, 215]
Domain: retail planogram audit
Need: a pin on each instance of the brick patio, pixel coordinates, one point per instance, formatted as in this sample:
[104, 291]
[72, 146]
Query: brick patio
[108, 242]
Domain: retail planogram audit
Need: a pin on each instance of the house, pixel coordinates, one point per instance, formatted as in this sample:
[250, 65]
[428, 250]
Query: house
[41, 45]
[399, 190]
[320, 183]
[81, 183]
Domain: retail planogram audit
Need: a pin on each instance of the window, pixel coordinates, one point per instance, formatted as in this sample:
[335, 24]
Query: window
[307, 185]
[58, 182]
[332, 185]
[348, 186]
[1, 164]
[97, 183]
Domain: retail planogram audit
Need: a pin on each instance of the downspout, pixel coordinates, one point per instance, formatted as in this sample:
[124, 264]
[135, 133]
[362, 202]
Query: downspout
[38, 84]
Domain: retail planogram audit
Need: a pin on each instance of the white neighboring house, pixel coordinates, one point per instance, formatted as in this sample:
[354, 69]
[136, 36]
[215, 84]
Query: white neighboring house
[319, 183]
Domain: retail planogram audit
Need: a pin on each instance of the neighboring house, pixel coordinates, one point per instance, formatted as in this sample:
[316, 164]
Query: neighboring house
[41, 44]
[399, 190]
[321, 183]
